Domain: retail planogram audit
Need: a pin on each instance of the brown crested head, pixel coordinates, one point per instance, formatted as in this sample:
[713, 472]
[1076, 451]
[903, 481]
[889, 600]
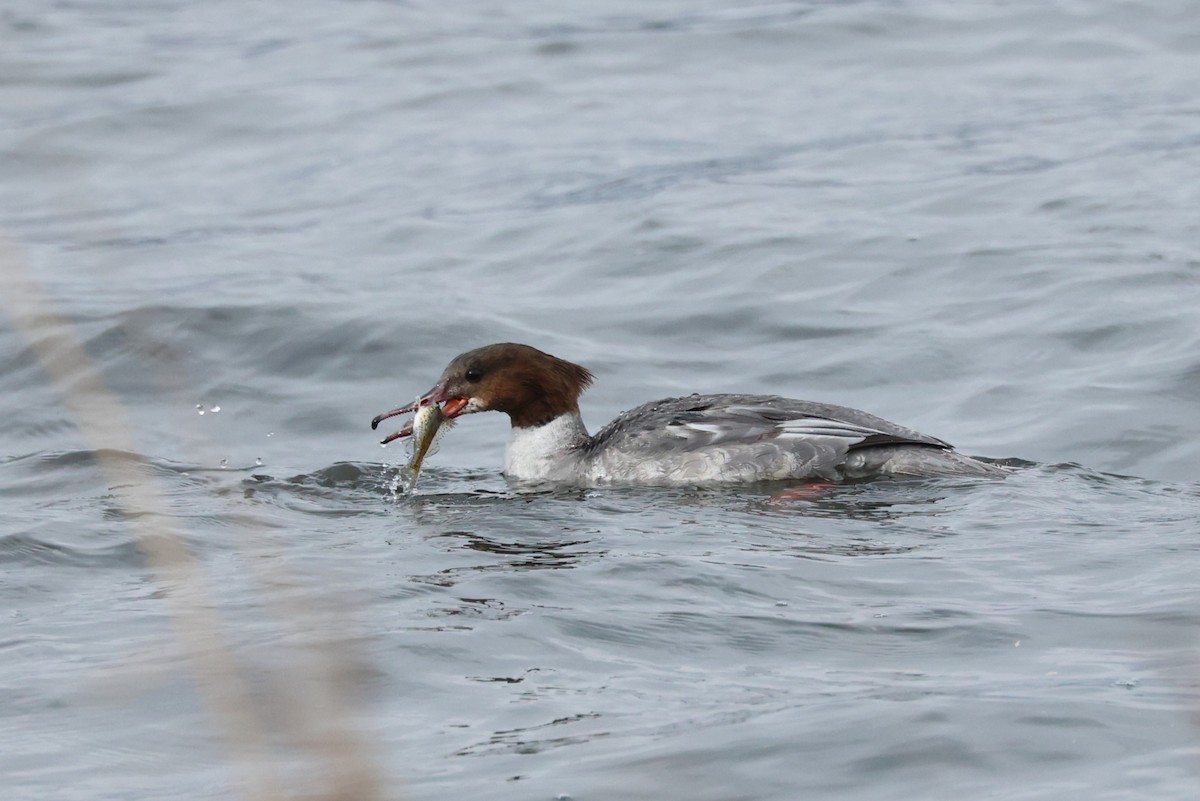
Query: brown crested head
[530, 386]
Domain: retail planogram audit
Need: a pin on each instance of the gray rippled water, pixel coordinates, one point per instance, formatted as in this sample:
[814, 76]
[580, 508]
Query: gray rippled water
[231, 234]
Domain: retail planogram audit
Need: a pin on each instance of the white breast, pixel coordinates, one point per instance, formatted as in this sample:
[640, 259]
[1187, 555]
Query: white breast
[545, 452]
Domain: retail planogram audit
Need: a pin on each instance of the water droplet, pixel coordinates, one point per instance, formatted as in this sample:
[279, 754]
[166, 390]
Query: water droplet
[201, 412]
[224, 463]
[781, 603]
[270, 433]
[199, 406]
[215, 409]
[258, 462]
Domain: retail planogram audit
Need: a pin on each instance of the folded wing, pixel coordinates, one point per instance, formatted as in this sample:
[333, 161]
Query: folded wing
[700, 422]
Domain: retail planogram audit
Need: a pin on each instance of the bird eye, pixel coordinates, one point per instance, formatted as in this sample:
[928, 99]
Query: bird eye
[474, 375]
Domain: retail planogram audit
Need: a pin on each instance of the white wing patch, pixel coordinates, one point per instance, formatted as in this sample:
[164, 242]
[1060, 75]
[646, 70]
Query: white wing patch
[744, 425]
[820, 427]
[706, 428]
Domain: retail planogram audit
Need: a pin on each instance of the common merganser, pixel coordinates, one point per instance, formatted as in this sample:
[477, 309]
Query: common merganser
[699, 439]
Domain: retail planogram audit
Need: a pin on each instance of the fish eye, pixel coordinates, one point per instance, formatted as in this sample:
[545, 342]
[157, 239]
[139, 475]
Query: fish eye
[474, 374]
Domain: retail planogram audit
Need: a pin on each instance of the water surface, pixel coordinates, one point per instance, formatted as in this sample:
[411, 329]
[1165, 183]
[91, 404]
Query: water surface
[266, 224]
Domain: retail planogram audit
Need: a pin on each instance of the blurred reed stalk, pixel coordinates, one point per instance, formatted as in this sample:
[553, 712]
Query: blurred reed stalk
[338, 750]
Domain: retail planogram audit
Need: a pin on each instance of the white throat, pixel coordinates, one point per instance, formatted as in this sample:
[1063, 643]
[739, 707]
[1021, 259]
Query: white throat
[545, 452]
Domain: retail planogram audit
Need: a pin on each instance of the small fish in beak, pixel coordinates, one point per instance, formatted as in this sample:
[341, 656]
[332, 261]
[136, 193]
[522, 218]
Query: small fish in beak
[426, 426]
[435, 411]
